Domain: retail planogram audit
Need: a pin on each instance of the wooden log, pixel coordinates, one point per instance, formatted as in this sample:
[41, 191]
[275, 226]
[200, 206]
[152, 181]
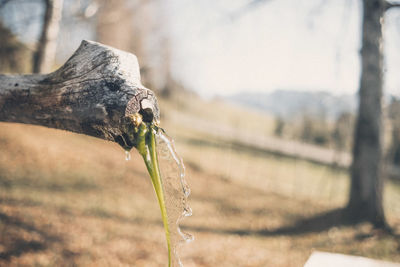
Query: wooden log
[92, 94]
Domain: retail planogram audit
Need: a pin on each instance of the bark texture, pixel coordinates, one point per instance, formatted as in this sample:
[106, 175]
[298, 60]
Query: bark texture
[366, 179]
[92, 93]
[44, 57]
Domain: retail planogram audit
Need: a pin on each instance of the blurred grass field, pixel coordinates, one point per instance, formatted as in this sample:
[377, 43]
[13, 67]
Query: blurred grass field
[73, 200]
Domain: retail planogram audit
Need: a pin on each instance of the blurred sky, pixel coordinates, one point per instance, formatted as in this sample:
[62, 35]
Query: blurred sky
[220, 47]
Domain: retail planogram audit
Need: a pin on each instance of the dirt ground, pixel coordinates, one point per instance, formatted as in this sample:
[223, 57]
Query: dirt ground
[72, 200]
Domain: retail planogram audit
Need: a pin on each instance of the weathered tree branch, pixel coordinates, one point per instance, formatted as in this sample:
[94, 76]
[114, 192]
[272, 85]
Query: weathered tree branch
[389, 5]
[92, 93]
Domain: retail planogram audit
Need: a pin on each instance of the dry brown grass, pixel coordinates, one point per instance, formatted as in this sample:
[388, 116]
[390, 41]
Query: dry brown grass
[72, 200]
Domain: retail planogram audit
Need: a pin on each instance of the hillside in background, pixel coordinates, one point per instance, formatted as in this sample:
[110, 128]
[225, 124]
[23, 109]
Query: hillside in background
[290, 103]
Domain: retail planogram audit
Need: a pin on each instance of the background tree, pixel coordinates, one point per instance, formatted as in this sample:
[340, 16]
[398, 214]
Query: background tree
[343, 132]
[366, 192]
[13, 53]
[43, 59]
[41, 51]
[393, 156]
[279, 126]
[145, 22]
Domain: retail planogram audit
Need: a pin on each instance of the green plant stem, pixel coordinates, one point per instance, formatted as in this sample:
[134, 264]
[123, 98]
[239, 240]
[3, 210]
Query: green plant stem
[147, 148]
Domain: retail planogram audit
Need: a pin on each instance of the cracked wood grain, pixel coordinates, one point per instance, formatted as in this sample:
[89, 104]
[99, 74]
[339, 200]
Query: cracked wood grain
[92, 93]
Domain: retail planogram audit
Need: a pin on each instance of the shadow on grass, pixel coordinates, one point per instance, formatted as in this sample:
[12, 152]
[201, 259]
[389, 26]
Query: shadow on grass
[318, 223]
[19, 237]
[106, 215]
[78, 184]
[13, 237]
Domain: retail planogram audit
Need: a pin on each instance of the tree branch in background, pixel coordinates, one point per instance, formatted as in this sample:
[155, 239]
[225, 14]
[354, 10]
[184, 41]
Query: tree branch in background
[390, 5]
[43, 59]
[92, 93]
[3, 3]
[246, 8]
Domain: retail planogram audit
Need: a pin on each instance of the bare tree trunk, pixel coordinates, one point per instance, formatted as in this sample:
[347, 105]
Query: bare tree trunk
[92, 93]
[13, 53]
[46, 51]
[366, 179]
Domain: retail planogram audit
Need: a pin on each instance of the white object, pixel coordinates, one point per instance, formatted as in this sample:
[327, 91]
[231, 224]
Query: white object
[326, 259]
